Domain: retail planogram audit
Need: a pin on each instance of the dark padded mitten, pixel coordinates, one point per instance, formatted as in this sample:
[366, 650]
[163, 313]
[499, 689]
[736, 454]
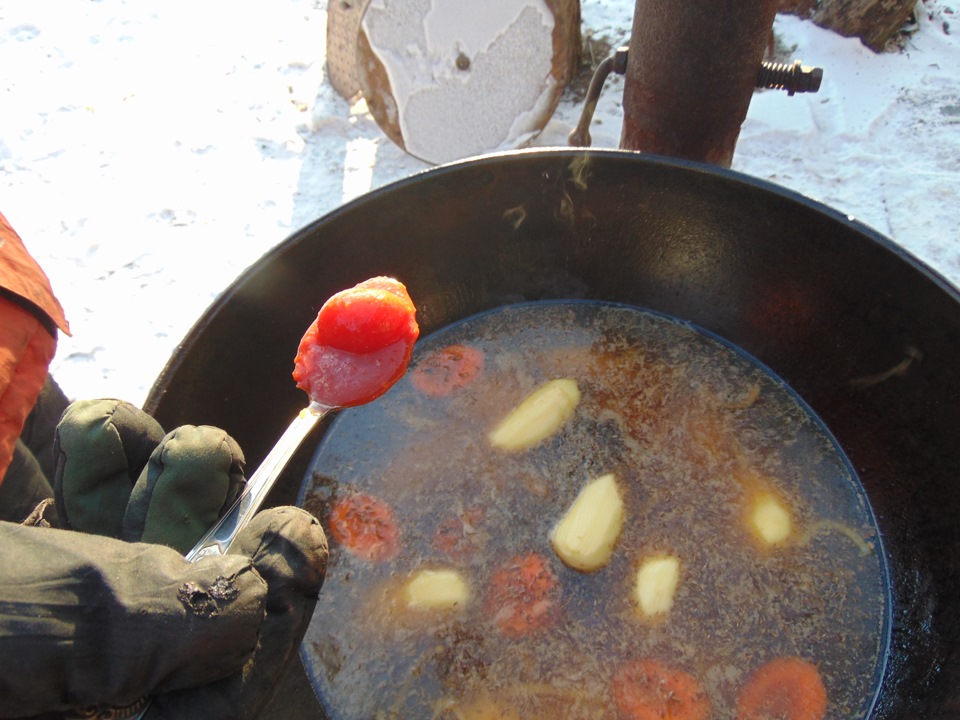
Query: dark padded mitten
[289, 550]
[38, 429]
[88, 620]
[94, 620]
[24, 486]
[117, 474]
[191, 479]
[100, 447]
[28, 480]
[98, 625]
[99, 622]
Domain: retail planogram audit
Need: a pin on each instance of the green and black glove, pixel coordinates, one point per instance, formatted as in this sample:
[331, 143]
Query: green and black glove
[106, 616]
[28, 480]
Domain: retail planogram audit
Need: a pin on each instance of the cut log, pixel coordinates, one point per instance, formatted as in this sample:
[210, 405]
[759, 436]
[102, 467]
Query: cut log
[873, 21]
[449, 79]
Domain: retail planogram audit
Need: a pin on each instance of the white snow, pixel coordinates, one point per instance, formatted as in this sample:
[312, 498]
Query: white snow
[149, 152]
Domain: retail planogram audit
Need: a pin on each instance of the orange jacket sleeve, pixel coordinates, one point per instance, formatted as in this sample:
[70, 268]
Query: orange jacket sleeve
[21, 275]
[29, 317]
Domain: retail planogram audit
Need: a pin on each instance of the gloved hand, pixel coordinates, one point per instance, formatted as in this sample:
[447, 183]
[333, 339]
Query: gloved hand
[87, 619]
[28, 479]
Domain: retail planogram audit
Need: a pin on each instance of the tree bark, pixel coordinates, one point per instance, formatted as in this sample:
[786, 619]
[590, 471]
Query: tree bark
[873, 21]
[802, 8]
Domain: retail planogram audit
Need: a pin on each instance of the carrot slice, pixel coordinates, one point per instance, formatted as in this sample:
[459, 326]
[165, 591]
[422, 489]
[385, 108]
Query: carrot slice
[651, 690]
[787, 688]
[446, 370]
[364, 525]
[521, 597]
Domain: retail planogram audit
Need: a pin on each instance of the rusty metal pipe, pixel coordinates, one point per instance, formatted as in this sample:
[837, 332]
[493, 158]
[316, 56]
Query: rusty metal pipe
[690, 75]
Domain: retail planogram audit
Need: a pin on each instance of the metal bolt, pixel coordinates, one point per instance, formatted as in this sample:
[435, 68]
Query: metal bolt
[794, 78]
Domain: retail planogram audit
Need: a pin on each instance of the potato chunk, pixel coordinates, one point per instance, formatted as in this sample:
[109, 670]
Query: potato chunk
[766, 512]
[657, 581]
[585, 536]
[436, 590]
[538, 416]
[770, 520]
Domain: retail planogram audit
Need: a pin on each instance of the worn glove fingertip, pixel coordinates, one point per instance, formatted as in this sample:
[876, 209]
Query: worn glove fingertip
[99, 448]
[192, 477]
[289, 548]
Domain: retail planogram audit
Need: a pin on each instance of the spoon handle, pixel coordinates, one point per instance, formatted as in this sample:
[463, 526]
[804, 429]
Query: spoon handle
[219, 537]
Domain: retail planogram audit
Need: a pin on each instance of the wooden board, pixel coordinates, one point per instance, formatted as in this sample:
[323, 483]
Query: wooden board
[448, 79]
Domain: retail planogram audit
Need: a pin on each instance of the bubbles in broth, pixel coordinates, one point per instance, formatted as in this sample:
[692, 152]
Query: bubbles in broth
[760, 548]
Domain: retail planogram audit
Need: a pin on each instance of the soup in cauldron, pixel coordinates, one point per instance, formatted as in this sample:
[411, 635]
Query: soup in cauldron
[588, 510]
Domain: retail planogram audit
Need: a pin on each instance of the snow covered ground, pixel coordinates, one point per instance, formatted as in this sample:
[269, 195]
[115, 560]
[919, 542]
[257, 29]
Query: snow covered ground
[149, 152]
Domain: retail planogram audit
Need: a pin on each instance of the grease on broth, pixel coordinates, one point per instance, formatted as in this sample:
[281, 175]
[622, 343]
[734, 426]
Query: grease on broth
[745, 535]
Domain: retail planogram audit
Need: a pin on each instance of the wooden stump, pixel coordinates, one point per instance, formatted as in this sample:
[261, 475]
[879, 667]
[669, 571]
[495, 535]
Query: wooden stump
[449, 79]
[873, 21]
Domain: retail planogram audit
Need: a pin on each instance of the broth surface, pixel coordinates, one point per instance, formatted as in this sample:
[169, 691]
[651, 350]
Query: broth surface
[694, 431]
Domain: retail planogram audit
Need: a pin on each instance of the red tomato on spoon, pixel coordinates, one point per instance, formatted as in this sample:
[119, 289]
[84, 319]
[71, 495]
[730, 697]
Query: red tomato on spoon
[359, 345]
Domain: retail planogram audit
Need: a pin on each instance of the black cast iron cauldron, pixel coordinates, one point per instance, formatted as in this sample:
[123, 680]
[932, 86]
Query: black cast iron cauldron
[825, 302]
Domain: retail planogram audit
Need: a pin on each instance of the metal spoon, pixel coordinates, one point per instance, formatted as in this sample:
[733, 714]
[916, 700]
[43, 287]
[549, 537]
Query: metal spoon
[218, 538]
